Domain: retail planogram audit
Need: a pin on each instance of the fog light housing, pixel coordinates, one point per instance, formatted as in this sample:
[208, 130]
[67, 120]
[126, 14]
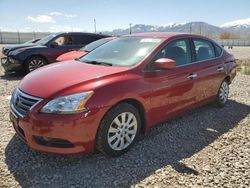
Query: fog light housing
[53, 142]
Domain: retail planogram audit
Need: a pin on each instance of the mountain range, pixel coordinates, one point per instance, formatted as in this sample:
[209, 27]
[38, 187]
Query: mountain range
[240, 28]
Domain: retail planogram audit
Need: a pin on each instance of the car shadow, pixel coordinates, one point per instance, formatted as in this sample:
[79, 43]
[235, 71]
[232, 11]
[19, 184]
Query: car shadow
[12, 76]
[167, 144]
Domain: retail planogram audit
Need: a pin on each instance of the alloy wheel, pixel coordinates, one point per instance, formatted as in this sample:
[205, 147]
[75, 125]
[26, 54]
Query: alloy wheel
[35, 64]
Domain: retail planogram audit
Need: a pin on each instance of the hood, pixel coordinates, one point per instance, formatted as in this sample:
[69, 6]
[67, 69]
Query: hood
[19, 50]
[51, 79]
[71, 55]
[7, 49]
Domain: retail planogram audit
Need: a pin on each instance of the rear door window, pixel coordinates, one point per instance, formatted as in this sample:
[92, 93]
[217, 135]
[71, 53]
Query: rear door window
[204, 49]
[218, 50]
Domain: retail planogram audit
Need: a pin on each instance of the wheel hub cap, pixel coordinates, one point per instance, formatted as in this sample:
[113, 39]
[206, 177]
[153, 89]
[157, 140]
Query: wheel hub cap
[224, 90]
[122, 131]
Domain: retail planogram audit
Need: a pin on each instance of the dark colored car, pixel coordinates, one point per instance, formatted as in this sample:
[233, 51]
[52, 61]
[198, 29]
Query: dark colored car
[84, 50]
[7, 49]
[119, 90]
[29, 57]
[33, 41]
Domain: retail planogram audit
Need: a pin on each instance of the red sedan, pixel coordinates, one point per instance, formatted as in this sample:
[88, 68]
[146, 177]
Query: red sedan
[75, 54]
[119, 90]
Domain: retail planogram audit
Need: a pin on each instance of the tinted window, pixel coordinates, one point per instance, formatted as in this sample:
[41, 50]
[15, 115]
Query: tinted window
[218, 50]
[177, 50]
[85, 39]
[203, 49]
[60, 40]
[64, 40]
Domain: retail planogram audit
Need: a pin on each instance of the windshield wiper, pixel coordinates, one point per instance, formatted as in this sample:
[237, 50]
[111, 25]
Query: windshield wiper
[98, 63]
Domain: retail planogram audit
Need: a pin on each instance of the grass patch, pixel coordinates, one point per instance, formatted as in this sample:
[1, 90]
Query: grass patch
[244, 66]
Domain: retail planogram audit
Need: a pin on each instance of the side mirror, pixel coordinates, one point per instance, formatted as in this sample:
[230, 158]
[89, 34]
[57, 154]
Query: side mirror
[54, 44]
[165, 63]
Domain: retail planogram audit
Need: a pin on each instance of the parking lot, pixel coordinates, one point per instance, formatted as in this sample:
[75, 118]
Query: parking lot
[207, 147]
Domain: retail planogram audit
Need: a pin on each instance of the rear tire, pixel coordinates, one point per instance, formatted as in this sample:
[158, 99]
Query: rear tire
[34, 63]
[118, 130]
[222, 95]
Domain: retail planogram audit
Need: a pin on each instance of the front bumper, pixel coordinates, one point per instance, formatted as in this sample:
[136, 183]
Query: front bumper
[61, 134]
[10, 66]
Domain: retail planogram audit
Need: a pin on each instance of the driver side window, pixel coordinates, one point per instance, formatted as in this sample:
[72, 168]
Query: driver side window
[177, 50]
[60, 40]
[64, 40]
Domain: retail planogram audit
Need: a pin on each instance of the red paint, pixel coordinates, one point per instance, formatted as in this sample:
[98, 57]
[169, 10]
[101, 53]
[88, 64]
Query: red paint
[162, 94]
[71, 55]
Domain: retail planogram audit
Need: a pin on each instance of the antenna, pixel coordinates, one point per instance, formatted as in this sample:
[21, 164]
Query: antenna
[95, 25]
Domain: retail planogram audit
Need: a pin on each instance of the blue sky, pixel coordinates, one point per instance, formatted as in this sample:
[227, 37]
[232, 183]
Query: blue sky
[61, 15]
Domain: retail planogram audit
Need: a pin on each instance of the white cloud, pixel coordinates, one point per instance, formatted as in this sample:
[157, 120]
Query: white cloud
[26, 29]
[55, 13]
[8, 29]
[70, 15]
[41, 19]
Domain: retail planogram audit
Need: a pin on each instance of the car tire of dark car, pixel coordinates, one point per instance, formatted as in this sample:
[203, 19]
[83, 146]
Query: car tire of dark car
[118, 130]
[222, 95]
[33, 63]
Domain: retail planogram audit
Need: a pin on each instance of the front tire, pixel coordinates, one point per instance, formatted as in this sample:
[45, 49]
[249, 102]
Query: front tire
[118, 130]
[222, 95]
[34, 63]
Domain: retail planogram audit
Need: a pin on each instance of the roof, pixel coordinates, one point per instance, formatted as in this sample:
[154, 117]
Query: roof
[160, 34]
[73, 32]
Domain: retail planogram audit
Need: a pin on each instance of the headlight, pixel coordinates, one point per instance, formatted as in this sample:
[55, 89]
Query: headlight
[11, 60]
[68, 104]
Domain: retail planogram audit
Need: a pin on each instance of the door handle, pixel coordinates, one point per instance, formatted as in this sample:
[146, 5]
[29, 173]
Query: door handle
[219, 69]
[191, 76]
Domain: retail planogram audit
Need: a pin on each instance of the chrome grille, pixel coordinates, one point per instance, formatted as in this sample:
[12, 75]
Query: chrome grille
[21, 102]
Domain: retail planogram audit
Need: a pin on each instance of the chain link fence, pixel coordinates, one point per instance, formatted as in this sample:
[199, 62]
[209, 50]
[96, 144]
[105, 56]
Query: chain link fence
[20, 37]
[234, 42]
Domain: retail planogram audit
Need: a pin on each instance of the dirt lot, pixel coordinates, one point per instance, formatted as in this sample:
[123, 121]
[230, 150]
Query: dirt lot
[207, 147]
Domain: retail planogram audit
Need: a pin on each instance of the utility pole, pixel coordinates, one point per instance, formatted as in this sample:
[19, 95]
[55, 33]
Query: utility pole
[95, 24]
[1, 38]
[18, 36]
[130, 30]
[190, 27]
[200, 29]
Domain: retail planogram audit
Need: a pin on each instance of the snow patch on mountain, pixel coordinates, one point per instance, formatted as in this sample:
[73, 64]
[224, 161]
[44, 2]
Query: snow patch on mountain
[173, 24]
[237, 23]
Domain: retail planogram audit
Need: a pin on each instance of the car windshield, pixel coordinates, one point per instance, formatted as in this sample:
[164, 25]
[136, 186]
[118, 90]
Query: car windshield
[124, 51]
[95, 44]
[46, 39]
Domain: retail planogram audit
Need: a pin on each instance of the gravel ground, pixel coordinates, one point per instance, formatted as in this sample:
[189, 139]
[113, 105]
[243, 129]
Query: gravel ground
[207, 147]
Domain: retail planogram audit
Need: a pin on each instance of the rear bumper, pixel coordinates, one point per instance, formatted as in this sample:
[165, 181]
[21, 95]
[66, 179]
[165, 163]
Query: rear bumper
[9, 66]
[61, 134]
